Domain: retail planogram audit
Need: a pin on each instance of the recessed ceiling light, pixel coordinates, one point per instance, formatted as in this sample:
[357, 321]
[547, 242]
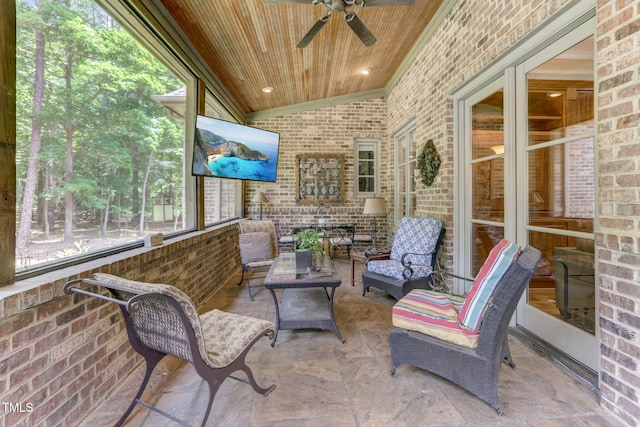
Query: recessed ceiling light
[267, 89]
[365, 71]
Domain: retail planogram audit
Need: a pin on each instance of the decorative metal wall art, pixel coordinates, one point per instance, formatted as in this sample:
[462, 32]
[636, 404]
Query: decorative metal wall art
[319, 178]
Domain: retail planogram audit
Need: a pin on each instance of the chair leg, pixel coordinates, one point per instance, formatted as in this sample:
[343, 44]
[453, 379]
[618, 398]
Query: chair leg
[507, 354]
[249, 288]
[214, 385]
[254, 384]
[213, 379]
[152, 361]
[241, 278]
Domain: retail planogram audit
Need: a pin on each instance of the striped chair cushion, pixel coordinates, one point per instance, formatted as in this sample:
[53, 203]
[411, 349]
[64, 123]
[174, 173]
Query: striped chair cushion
[435, 314]
[500, 259]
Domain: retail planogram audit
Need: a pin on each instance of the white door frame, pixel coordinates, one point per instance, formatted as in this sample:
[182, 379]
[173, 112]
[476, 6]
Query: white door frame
[578, 17]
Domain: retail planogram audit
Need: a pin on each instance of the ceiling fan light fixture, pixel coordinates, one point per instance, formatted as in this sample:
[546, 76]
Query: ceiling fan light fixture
[267, 89]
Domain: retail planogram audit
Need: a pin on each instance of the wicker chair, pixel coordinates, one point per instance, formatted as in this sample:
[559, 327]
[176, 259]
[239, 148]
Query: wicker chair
[258, 241]
[161, 320]
[412, 260]
[473, 368]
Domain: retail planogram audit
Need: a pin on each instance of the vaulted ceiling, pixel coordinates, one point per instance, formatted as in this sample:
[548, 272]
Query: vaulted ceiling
[251, 44]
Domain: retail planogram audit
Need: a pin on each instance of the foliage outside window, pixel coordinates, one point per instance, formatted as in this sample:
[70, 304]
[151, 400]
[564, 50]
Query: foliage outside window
[367, 167]
[99, 162]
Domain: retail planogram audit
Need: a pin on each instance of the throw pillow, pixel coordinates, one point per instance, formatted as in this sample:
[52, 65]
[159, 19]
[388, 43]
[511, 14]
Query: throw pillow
[255, 247]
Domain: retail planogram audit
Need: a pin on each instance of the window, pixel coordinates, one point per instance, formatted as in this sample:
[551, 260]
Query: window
[367, 168]
[405, 165]
[222, 197]
[103, 154]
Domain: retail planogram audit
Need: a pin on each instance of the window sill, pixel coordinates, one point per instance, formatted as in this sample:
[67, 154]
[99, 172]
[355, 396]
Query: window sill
[33, 291]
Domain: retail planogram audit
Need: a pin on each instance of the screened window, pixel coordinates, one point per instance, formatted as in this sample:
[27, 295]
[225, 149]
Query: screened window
[100, 141]
[222, 197]
[367, 169]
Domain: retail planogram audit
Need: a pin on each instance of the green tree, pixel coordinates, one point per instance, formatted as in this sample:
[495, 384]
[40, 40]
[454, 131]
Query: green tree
[90, 131]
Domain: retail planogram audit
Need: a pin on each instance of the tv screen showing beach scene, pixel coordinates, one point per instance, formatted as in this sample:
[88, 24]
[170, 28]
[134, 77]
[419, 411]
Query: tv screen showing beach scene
[229, 150]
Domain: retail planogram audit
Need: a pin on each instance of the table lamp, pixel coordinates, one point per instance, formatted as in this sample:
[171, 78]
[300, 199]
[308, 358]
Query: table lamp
[374, 207]
[260, 198]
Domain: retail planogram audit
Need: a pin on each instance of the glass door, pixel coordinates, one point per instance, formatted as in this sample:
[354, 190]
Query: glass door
[556, 143]
[526, 173]
[487, 181]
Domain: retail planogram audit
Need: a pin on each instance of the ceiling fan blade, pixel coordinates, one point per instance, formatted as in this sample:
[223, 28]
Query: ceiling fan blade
[313, 31]
[288, 1]
[359, 28]
[371, 3]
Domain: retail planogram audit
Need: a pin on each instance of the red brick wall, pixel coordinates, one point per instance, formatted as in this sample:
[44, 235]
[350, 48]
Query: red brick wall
[618, 205]
[61, 355]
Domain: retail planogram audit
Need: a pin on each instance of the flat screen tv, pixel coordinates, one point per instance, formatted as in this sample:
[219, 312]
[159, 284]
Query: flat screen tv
[229, 150]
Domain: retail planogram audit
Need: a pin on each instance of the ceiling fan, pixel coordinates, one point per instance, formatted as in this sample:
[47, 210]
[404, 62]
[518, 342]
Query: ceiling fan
[350, 17]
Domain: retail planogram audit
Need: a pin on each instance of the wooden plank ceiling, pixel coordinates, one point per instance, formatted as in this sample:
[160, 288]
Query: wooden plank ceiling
[251, 45]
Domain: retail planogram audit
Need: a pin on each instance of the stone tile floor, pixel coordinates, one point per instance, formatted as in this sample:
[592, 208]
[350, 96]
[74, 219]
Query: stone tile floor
[322, 382]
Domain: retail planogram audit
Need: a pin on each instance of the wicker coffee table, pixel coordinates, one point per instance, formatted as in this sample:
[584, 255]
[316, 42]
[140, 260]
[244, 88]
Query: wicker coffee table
[307, 298]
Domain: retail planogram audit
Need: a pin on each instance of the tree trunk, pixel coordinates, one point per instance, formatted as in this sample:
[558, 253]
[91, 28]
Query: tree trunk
[105, 222]
[144, 193]
[68, 195]
[29, 191]
[47, 226]
[137, 216]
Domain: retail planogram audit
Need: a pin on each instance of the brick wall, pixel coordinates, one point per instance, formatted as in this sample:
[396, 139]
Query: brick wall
[61, 355]
[618, 232]
[329, 130]
[472, 36]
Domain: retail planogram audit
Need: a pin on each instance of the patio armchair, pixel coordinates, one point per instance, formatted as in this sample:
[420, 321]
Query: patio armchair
[161, 320]
[258, 241]
[464, 340]
[412, 259]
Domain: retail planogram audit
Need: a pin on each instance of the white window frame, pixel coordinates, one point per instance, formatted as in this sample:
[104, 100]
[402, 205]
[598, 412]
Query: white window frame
[579, 19]
[367, 144]
[405, 135]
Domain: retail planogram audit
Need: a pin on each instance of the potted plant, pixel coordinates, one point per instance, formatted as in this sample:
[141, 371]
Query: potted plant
[308, 243]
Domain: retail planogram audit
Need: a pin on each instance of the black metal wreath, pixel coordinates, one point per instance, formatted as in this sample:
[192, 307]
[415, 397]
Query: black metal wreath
[428, 163]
